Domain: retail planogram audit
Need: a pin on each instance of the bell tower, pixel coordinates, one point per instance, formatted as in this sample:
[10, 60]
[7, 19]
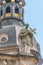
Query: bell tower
[18, 45]
[12, 10]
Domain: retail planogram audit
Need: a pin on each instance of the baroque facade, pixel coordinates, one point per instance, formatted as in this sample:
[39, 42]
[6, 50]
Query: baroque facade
[18, 45]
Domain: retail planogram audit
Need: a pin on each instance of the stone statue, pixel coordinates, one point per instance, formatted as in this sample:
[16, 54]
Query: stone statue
[26, 35]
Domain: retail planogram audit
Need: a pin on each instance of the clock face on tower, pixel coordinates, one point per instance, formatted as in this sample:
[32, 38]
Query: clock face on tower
[7, 36]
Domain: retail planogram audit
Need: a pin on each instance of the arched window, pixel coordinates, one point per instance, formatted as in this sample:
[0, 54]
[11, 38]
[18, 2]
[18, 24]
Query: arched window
[8, 10]
[1, 12]
[17, 1]
[8, 1]
[17, 10]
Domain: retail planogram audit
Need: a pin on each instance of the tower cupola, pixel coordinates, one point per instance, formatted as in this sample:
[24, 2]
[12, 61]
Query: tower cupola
[12, 9]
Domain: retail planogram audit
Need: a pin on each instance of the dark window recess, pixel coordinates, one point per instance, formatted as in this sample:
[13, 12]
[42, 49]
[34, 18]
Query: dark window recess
[22, 14]
[17, 10]
[0, 25]
[8, 10]
[8, 1]
[1, 4]
[1, 12]
[17, 1]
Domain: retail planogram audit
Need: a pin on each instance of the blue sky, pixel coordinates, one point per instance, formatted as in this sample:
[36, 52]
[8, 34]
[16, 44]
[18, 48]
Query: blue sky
[34, 16]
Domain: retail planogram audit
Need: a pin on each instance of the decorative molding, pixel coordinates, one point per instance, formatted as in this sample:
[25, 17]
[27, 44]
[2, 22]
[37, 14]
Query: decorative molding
[4, 37]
